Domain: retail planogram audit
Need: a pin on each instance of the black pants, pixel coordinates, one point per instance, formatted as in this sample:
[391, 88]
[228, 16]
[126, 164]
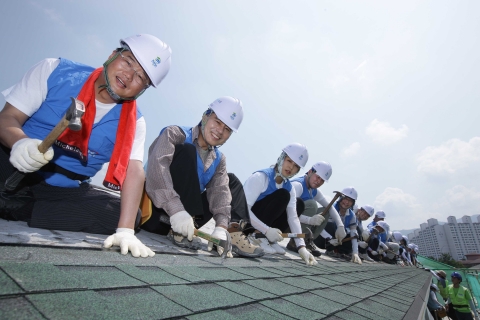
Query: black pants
[183, 171]
[272, 210]
[85, 209]
[374, 244]
[331, 228]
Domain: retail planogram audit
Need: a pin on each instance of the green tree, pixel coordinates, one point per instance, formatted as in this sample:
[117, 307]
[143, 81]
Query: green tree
[447, 259]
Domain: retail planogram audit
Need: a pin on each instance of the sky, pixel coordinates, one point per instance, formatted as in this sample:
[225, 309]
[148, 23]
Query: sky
[386, 92]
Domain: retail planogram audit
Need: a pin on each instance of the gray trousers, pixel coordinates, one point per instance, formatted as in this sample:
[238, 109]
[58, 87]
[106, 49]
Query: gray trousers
[311, 209]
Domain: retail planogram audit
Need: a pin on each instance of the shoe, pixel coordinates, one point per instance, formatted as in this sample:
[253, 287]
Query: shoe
[181, 241]
[332, 254]
[278, 249]
[240, 243]
[291, 245]
[365, 257]
[10, 202]
[262, 242]
[313, 249]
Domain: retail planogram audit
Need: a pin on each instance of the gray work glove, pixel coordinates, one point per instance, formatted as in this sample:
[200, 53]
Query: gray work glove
[126, 240]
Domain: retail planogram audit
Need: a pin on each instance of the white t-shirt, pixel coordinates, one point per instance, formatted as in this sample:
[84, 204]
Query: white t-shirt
[255, 185]
[28, 95]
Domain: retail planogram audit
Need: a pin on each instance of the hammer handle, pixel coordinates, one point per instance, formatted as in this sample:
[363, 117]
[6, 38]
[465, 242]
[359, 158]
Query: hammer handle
[12, 182]
[337, 195]
[285, 235]
[208, 237]
[53, 135]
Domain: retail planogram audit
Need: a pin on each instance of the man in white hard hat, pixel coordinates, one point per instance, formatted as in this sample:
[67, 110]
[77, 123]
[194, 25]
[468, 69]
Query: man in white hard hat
[272, 202]
[306, 188]
[335, 248]
[375, 237]
[187, 180]
[363, 214]
[55, 193]
[379, 216]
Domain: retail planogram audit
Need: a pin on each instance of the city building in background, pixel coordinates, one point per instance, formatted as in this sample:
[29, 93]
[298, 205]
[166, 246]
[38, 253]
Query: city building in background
[456, 238]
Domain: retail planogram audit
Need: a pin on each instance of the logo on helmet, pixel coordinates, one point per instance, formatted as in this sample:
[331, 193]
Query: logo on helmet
[301, 157]
[156, 61]
[233, 116]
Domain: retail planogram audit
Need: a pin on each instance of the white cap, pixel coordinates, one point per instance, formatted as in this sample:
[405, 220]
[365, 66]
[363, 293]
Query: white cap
[152, 54]
[229, 110]
[383, 225]
[380, 214]
[298, 153]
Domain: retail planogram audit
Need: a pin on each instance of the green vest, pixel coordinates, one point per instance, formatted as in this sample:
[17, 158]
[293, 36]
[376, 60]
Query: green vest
[442, 289]
[459, 301]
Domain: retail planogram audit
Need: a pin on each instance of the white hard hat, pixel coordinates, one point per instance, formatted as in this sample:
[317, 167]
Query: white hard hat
[434, 286]
[350, 192]
[397, 236]
[152, 54]
[229, 110]
[383, 225]
[380, 214]
[323, 170]
[411, 246]
[394, 247]
[368, 208]
[298, 153]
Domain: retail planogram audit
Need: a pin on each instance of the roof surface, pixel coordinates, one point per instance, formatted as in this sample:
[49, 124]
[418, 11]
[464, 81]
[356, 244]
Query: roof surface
[64, 275]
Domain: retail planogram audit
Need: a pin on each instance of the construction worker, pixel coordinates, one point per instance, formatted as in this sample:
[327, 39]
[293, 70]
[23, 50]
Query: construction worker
[375, 237]
[55, 193]
[306, 187]
[363, 214]
[432, 304]
[344, 207]
[272, 202]
[379, 216]
[187, 179]
[442, 282]
[460, 299]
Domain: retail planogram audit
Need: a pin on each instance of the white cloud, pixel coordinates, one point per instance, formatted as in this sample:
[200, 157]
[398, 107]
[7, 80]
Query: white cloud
[450, 157]
[52, 14]
[360, 66]
[459, 201]
[384, 134]
[402, 209]
[351, 150]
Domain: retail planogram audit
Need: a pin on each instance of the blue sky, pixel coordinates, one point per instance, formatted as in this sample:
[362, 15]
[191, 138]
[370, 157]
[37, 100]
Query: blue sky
[387, 92]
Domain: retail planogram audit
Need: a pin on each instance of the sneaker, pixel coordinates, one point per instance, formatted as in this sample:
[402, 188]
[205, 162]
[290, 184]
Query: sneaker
[278, 249]
[10, 202]
[240, 243]
[291, 245]
[313, 249]
[181, 241]
[365, 257]
[263, 243]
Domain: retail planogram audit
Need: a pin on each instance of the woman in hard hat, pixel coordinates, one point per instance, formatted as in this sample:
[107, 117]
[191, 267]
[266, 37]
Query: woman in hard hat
[363, 213]
[113, 130]
[187, 179]
[306, 188]
[460, 299]
[335, 248]
[272, 202]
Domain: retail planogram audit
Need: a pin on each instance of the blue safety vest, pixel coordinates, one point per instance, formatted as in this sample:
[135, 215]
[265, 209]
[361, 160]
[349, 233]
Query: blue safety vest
[350, 219]
[382, 236]
[66, 81]
[307, 194]
[204, 177]
[272, 185]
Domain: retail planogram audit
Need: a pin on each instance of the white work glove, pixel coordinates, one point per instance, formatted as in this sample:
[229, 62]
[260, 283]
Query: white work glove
[334, 242]
[340, 233]
[307, 257]
[373, 252]
[356, 259]
[274, 235]
[365, 235]
[362, 244]
[126, 240]
[26, 157]
[380, 251]
[316, 220]
[182, 223]
[384, 246]
[219, 233]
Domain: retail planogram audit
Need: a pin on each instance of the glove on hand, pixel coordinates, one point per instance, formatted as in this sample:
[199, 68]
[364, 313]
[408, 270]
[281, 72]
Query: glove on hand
[365, 235]
[126, 240]
[316, 220]
[307, 257]
[384, 246]
[182, 223]
[362, 244]
[340, 233]
[356, 259]
[334, 242]
[373, 252]
[380, 251]
[274, 235]
[26, 157]
[219, 233]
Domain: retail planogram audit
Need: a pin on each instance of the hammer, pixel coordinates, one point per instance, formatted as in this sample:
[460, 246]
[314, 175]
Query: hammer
[225, 244]
[307, 236]
[70, 120]
[338, 194]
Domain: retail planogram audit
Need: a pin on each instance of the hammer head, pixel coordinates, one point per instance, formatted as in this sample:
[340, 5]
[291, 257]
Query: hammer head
[308, 235]
[74, 114]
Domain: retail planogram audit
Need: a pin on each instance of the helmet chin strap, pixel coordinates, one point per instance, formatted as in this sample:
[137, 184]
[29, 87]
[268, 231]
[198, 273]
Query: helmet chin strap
[202, 128]
[107, 86]
[280, 161]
